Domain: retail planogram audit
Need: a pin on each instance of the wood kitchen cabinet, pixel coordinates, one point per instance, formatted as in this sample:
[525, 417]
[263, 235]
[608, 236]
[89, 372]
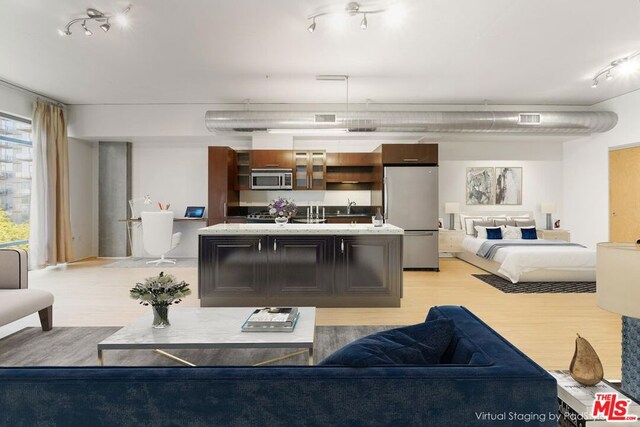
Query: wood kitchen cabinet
[222, 192]
[404, 154]
[277, 159]
[243, 170]
[300, 270]
[300, 266]
[238, 266]
[353, 171]
[366, 265]
[310, 170]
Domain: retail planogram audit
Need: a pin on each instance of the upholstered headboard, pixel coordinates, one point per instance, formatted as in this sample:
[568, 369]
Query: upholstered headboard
[487, 215]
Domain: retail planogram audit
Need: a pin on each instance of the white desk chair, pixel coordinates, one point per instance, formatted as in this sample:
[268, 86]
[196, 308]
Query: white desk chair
[158, 236]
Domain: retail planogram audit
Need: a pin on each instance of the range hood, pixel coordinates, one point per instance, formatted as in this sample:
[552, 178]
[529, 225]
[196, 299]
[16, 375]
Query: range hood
[545, 122]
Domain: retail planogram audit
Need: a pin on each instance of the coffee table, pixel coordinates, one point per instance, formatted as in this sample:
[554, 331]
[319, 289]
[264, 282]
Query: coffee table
[206, 328]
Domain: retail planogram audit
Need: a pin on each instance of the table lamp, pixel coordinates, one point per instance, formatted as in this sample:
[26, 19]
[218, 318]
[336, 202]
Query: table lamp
[618, 291]
[452, 208]
[146, 200]
[548, 208]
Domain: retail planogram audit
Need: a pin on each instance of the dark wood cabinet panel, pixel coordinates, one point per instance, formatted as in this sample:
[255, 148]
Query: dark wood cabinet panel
[235, 265]
[420, 154]
[222, 192]
[323, 271]
[282, 159]
[300, 265]
[369, 265]
[243, 170]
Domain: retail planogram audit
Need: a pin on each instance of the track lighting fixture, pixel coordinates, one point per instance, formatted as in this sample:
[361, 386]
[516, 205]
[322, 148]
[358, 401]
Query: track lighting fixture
[94, 15]
[352, 9]
[622, 66]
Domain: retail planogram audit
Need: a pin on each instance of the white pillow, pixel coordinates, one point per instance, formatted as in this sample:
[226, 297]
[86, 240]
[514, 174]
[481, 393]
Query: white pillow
[466, 222]
[482, 231]
[513, 233]
[520, 217]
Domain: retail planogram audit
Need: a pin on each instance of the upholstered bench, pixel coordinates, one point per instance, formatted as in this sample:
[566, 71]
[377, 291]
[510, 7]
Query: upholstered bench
[16, 300]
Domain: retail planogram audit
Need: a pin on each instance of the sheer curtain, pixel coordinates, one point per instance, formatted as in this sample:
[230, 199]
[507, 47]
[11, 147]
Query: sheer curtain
[50, 235]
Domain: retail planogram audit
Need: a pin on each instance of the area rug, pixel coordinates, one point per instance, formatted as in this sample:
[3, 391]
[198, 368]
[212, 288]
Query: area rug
[78, 347]
[142, 263]
[507, 287]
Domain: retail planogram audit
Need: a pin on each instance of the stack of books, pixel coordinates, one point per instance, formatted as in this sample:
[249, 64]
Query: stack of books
[272, 319]
[576, 402]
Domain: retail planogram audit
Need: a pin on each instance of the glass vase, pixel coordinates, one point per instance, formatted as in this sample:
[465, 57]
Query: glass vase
[161, 316]
[281, 220]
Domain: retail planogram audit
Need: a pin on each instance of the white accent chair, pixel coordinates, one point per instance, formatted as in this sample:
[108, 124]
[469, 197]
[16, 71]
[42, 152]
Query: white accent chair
[17, 300]
[158, 236]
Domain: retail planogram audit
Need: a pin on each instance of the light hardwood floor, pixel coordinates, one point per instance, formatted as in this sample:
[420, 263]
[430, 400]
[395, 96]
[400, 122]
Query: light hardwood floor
[541, 325]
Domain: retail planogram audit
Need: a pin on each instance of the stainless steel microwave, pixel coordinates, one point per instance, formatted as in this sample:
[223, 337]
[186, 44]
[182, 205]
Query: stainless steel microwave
[271, 179]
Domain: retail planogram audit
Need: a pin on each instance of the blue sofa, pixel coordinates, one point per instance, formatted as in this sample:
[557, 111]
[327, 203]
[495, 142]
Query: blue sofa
[482, 381]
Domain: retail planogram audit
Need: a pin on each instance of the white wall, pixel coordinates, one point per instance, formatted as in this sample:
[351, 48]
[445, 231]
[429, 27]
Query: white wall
[15, 102]
[83, 197]
[586, 171]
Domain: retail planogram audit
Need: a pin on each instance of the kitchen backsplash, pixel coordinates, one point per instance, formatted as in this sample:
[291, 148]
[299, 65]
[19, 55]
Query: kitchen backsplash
[306, 198]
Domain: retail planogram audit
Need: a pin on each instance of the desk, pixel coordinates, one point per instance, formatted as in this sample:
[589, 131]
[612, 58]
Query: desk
[188, 246]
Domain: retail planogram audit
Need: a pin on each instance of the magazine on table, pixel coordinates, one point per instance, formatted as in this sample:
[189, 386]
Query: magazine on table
[272, 319]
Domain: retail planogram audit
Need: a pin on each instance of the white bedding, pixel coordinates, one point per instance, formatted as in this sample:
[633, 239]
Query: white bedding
[514, 261]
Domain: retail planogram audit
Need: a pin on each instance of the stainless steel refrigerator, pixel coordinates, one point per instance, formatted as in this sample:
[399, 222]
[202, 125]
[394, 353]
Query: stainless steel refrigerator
[410, 196]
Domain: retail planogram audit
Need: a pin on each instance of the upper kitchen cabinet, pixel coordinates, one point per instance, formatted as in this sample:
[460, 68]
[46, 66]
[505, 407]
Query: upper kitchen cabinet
[407, 154]
[221, 184]
[267, 159]
[310, 170]
[353, 171]
[243, 170]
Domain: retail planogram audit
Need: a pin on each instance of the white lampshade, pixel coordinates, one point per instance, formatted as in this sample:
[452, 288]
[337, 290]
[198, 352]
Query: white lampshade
[452, 207]
[548, 207]
[618, 278]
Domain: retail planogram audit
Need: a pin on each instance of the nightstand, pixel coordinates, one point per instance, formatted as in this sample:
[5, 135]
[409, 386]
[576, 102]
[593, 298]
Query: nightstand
[555, 234]
[450, 241]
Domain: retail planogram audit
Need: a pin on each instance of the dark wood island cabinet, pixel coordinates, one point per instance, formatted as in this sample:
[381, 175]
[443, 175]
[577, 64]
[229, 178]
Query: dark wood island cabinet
[323, 268]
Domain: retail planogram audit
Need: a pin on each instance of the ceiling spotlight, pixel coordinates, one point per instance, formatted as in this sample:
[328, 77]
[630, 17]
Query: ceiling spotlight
[106, 26]
[363, 23]
[87, 32]
[94, 15]
[312, 27]
[609, 76]
[594, 84]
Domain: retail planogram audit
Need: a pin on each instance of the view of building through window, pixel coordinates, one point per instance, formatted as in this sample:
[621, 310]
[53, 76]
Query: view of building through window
[16, 158]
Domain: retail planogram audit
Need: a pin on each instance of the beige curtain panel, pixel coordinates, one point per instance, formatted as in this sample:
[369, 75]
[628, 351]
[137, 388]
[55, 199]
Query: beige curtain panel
[50, 223]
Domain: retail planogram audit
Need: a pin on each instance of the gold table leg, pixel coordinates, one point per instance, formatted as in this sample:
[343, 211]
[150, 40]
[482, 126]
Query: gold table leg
[173, 357]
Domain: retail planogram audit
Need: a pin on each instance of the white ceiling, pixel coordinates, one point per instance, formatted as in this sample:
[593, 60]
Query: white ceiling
[215, 51]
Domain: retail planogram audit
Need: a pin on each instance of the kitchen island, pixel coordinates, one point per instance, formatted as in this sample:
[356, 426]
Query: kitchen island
[321, 265]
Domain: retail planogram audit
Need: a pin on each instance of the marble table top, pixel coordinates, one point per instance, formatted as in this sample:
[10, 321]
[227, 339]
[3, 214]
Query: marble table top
[211, 327]
[305, 229]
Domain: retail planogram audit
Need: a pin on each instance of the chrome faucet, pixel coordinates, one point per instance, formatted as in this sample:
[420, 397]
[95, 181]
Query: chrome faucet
[350, 203]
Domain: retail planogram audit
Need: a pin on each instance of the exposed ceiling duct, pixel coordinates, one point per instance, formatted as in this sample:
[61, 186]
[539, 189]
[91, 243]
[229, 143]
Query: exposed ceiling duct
[545, 122]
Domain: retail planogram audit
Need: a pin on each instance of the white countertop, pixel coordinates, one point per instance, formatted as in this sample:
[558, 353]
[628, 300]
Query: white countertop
[310, 229]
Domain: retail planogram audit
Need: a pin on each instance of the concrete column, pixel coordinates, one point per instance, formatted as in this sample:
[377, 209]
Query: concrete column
[114, 190]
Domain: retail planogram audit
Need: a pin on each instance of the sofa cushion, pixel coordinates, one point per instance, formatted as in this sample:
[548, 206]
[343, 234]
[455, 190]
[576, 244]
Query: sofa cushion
[421, 344]
[18, 303]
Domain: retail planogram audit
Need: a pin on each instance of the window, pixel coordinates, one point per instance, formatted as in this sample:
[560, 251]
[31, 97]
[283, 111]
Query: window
[16, 156]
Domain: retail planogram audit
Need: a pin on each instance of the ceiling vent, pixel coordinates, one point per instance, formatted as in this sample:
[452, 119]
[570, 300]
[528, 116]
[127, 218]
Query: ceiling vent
[544, 122]
[529, 119]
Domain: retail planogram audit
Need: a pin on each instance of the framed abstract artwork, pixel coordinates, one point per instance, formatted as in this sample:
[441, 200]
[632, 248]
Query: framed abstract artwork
[508, 189]
[480, 186]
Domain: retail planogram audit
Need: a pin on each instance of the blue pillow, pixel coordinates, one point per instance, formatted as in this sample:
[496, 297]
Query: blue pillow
[421, 344]
[529, 233]
[494, 233]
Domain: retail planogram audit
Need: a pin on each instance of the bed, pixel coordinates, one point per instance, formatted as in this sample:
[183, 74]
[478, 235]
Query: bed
[527, 261]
